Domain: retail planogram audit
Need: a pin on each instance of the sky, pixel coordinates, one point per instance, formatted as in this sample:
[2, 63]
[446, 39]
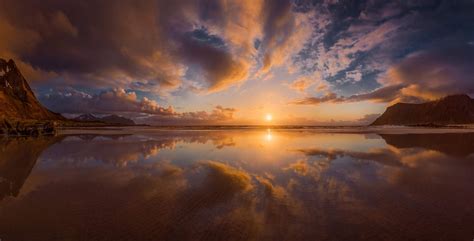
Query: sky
[320, 62]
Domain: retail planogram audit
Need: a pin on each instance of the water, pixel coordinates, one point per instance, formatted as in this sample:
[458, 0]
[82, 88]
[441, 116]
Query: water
[237, 185]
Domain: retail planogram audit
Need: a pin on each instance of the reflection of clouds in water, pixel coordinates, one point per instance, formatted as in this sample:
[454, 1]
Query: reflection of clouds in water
[116, 152]
[308, 194]
[122, 150]
[184, 204]
[309, 168]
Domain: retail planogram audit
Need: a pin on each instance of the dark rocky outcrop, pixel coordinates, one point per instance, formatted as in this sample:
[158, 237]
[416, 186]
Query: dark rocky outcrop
[17, 100]
[450, 110]
[27, 128]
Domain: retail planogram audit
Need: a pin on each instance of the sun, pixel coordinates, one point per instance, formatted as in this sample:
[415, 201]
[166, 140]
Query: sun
[268, 117]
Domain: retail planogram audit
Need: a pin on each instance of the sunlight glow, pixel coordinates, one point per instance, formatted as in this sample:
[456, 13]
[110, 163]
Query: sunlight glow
[268, 117]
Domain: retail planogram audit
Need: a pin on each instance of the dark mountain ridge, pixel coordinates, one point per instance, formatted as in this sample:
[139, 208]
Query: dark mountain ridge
[450, 110]
[17, 100]
[110, 119]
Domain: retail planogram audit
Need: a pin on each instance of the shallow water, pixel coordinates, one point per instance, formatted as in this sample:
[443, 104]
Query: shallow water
[237, 185]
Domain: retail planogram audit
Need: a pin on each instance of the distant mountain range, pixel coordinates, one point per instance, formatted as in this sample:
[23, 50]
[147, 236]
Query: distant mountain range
[454, 109]
[17, 100]
[110, 119]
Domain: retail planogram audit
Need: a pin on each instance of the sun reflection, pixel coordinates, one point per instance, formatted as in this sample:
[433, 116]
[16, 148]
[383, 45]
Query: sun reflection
[268, 135]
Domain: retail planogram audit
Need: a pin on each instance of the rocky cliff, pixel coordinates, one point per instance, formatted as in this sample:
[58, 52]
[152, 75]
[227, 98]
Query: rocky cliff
[454, 109]
[17, 100]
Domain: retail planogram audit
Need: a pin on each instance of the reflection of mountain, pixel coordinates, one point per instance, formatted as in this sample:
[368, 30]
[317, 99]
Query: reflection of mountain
[107, 149]
[454, 144]
[90, 137]
[17, 158]
[375, 192]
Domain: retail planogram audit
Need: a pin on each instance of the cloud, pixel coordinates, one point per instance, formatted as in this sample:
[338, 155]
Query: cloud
[357, 50]
[328, 97]
[220, 69]
[218, 115]
[72, 101]
[384, 94]
[355, 43]
[149, 43]
[435, 73]
[94, 44]
[127, 103]
[285, 32]
[421, 76]
[301, 84]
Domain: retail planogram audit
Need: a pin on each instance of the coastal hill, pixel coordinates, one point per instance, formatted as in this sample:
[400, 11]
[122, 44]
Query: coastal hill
[17, 100]
[450, 110]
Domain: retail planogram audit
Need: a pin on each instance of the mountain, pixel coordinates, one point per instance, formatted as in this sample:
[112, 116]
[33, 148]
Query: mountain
[454, 109]
[87, 117]
[17, 100]
[110, 119]
[115, 119]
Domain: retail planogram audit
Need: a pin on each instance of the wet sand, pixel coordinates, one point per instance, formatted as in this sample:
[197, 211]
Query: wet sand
[257, 184]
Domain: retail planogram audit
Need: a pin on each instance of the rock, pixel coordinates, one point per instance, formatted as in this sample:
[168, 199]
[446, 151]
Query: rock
[27, 128]
[17, 100]
[450, 110]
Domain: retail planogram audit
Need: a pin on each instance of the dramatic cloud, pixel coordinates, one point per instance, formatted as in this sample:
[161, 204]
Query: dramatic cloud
[355, 45]
[218, 115]
[148, 43]
[334, 51]
[435, 73]
[385, 94]
[220, 69]
[420, 76]
[118, 100]
[144, 110]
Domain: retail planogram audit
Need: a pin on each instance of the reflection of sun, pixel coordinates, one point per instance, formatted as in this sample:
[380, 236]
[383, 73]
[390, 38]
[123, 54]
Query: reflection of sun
[268, 117]
[268, 136]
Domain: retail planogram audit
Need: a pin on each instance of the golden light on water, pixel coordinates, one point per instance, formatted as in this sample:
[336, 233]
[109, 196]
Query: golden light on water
[268, 136]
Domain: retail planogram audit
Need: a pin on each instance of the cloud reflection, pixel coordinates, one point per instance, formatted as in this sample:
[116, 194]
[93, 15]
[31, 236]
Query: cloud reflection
[308, 192]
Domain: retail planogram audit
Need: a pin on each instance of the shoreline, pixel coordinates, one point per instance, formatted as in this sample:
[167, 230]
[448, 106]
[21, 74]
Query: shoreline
[324, 129]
